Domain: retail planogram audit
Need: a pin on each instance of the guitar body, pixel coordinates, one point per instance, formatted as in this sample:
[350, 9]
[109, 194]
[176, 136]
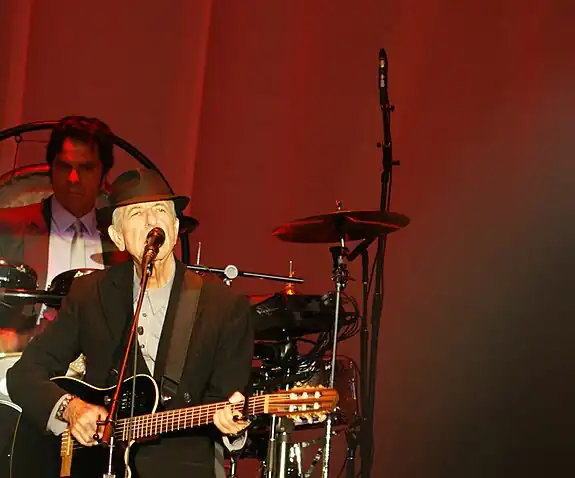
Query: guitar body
[37, 453]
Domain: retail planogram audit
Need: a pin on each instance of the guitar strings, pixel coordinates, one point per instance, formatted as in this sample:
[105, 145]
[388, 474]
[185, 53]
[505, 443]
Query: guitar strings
[171, 420]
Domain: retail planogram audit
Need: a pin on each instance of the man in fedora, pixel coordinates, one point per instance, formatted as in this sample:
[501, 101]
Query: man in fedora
[95, 318]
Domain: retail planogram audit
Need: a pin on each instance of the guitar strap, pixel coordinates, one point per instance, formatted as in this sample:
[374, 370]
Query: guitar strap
[184, 319]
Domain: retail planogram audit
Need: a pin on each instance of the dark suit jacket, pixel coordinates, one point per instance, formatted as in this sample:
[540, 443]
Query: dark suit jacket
[94, 319]
[25, 238]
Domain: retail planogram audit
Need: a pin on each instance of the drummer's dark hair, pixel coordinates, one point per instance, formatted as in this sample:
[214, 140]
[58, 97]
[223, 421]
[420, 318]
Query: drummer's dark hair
[90, 131]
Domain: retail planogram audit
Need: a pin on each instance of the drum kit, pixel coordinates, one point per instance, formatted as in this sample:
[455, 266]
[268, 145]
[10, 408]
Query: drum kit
[296, 335]
[283, 321]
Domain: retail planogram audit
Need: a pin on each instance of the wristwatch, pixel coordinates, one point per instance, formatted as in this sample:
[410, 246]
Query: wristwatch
[62, 408]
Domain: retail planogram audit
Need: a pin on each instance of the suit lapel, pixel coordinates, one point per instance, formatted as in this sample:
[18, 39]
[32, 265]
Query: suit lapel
[175, 295]
[116, 298]
[115, 294]
[36, 239]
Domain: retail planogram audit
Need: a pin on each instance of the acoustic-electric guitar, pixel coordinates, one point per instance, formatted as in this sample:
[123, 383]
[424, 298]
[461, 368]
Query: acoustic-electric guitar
[63, 456]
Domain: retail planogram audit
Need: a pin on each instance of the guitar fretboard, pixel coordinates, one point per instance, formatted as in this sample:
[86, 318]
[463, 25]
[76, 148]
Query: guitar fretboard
[144, 426]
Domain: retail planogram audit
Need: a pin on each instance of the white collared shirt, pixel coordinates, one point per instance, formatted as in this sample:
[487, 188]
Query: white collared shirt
[59, 255]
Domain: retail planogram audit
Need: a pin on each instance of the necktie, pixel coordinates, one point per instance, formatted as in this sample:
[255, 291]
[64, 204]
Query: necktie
[77, 251]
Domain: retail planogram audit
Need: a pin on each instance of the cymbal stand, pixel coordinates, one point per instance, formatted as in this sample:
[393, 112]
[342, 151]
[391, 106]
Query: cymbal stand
[340, 276]
[233, 467]
[295, 456]
[285, 431]
[278, 454]
[270, 466]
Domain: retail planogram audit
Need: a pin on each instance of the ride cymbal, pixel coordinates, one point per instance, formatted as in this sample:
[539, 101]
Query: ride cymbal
[331, 227]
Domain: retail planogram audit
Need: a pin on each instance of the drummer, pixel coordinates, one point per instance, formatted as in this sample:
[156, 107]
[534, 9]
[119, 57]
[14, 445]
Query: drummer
[60, 233]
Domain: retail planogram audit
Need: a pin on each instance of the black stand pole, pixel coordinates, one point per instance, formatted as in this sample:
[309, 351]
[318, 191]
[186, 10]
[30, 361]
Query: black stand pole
[351, 439]
[108, 433]
[369, 367]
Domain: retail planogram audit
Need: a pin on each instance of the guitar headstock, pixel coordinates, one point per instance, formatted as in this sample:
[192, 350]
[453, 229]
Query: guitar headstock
[303, 403]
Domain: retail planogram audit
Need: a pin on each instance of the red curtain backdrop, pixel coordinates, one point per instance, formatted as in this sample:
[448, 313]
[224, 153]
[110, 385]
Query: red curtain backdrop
[268, 111]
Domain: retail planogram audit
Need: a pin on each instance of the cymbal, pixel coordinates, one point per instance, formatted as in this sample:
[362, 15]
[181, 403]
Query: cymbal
[352, 225]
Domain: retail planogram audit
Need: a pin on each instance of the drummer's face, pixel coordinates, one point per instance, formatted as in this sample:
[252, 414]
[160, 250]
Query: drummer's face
[76, 177]
[132, 224]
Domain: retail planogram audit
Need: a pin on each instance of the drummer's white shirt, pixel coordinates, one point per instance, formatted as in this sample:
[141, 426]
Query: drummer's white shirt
[59, 255]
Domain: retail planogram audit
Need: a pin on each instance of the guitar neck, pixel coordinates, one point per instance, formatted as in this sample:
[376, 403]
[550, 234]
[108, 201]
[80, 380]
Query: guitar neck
[149, 425]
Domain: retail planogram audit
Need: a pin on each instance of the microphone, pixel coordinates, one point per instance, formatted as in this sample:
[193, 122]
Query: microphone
[154, 241]
[382, 78]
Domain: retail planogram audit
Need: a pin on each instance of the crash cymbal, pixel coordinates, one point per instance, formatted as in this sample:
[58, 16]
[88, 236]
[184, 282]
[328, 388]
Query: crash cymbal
[352, 225]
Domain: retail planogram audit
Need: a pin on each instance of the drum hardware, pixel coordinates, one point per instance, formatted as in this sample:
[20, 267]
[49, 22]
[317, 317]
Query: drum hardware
[16, 312]
[62, 283]
[296, 456]
[341, 227]
[52, 297]
[33, 296]
[233, 466]
[289, 288]
[199, 253]
[345, 385]
[281, 316]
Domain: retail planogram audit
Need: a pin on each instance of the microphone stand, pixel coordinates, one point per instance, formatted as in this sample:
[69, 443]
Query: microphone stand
[369, 372]
[231, 272]
[109, 423]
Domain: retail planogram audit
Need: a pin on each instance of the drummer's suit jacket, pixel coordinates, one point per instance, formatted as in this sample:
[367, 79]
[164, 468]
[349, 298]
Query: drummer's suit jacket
[94, 320]
[25, 238]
